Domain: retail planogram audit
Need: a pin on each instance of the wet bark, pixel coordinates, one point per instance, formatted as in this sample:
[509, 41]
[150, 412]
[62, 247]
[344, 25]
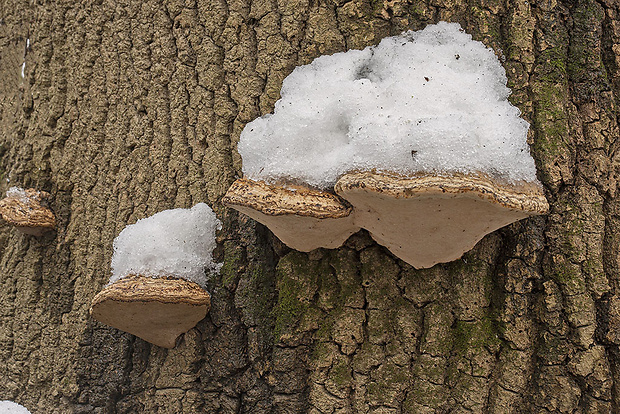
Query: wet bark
[127, 108]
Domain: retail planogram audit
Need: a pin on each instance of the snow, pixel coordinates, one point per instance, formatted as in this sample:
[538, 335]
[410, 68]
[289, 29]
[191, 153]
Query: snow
[427, 101]
[9, 407]
[177, 243]
[19, 193]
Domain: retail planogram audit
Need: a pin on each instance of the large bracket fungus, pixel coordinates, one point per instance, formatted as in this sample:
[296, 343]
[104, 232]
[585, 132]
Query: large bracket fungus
[432, 219]
[157, 289]
[416, 134]
[302, 218]
[28, 211]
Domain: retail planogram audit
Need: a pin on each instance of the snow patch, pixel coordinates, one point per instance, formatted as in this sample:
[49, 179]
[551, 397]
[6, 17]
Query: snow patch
[177, 243]
[427, 101]
[19, 193]
[9, 407]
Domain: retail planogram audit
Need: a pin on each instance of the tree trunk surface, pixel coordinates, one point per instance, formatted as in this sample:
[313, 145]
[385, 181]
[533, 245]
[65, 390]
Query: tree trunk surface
[121, 109]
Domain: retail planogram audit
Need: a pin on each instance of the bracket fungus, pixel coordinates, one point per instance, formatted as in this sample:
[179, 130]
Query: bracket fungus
[302, 218]
[156, 310]
[415, 133]
[28, 211]
[158, 286]
[432, 219]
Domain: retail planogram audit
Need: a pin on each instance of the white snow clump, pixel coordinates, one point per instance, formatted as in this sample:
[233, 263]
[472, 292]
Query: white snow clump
[18, 193]
[427, 101]
[177, 243]
[9, 407]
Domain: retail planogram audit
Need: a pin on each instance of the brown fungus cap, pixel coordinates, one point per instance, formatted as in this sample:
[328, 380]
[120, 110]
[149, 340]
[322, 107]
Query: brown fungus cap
[302, 218]
[157, 310]
[28, 212]
[430, 219]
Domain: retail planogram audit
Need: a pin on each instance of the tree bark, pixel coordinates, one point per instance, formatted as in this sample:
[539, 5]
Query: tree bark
[127, 108]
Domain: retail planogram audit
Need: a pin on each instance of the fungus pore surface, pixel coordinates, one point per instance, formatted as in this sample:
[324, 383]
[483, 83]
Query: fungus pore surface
[427, 219]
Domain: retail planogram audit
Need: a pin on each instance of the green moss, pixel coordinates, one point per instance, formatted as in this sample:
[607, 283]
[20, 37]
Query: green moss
[296, 281]
[289, 308]
[553, 68]
[475, 335]
[584, 50]
[476, 12]
[321, 351]
[415, 9]
[326, 326]
[232, 262]
[340, 374]
[568, 276]
[389, 377]
[550, 119]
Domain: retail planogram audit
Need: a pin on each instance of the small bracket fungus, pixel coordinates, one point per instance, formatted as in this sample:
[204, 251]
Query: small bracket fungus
[157, 289]
[28, 211]
[156, 310]
[416, 133]
[430, 219]
[302, 218]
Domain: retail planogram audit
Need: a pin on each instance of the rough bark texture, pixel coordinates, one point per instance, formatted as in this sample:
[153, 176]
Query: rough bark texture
[130, 107]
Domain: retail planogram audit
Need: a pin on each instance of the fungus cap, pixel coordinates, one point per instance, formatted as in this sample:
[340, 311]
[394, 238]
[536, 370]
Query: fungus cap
[430, 219]
[156, 310]
[302, 218]
[27, 210]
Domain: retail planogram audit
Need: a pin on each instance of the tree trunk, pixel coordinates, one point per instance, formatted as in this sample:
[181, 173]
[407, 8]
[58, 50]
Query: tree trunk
[127, 108]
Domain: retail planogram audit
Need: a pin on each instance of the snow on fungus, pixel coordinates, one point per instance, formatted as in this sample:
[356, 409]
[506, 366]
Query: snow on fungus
[431, 101]
[28, 210]
[416, 133]
[9, 407]
[302, 218]
[157, 289]
[177, 243]
[428, 219]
